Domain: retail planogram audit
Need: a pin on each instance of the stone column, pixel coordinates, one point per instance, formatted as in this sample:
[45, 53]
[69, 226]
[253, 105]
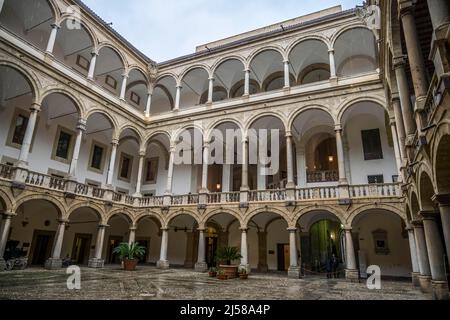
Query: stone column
[415, 57]
[112, 163]
[142, 155]
[81, 127]
[294, 268]
[403, 90]
[91, 72]
[97, 261]
[205, 168]
[287, 83]
[396, 146]
[163, 263]
[244, 184]
[290, 161]
[132, 235]
[351, 272]
[399, 124]
[332, 64]
[244, 250]
[4, 232]
[170, 171]
[55, 261]
[439, 12]
[52, 38]
[177, 98]
[422, 255]
[123, 89]
[149, 102]
[340, 155]
[414, 260]
[444, 208]
[435, 256]
[210, 90]
[201, 265]
[262, 251]
[26, 143]
[246, 82]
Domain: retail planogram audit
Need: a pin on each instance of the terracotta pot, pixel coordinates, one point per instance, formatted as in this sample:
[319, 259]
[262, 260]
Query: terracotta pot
[213, 274]
[230, 271]
[243, 276]
[222, 277]
[130, 265]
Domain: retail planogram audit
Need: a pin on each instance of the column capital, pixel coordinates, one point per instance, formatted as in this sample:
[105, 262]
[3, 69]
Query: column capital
[165, 229]
[347, 229]
[428, 214]
[286, 61]
[443, 199]
[133, 228]
[115, 142]
[244, 140]
[211, 79]
[395, 97]
[399, 61]
[94, 53]
[246, 70]
[288, 134]
[392, 121]
[81, 125]
[55, 26]
[293, 229]
[63, 221]
[417, 223]
[406, 7]
[179, 86]
[201, 230]
[7, 214]
[103, 226]
[35, 107]
[142, 153]
[331, 50]
[125, 75]
[337, 127]
[244, 230]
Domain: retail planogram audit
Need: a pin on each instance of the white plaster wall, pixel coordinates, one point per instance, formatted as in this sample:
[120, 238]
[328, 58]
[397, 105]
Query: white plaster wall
[277, 234]
[148, 229]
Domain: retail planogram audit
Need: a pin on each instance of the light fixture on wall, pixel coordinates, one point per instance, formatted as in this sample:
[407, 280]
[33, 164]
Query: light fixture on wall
[218, 186]
[330, 158]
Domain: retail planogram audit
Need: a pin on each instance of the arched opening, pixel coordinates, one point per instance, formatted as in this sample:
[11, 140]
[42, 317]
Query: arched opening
[380, 238]
[267, 69]
[309, 61]
[267, 171]
[16, 97]
[368, 142]
[322, 243]
[156, 165]
[117, 232]
[109, 70]
[29, 19]
[74, 47]
[163, 96]
[183, 241]
[426, 193]
[80, 235]
[148, 234]
[137, 89]
[442, 168]
[95, 151]
[355, 52]
[225, 175]
[316, 151]
[226, 76]
[33, 231]
[128, 156]
[194, 84]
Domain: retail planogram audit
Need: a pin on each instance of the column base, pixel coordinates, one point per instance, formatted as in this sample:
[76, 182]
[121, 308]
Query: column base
[440, 290]
[425, 284]
[352, 275]
[201, 267]
[96, 263]
[162, 264]
[53, 263]
[415, 279]
[2, 264]
[244, 266]
[294, 273]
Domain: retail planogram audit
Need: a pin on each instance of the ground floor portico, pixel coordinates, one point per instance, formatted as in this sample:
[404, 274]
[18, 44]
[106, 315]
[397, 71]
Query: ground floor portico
[149, 283]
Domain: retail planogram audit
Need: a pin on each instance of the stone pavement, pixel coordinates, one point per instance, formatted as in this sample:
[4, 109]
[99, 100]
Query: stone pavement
[151, 283]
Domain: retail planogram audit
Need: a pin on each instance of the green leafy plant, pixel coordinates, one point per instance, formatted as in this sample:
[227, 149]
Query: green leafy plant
[129, 251]
[242, 271]
[228, 254]
[213, 269]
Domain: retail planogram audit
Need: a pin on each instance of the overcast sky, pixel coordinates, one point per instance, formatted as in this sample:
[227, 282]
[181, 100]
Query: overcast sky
[166, 29]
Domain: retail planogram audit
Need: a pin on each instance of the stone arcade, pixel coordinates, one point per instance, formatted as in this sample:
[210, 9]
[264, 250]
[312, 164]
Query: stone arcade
[89, 128]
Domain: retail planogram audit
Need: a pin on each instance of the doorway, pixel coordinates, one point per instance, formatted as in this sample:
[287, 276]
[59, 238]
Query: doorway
[114, 241]
[283, 257]
[146, 243]
[41, 246]
[81, 248]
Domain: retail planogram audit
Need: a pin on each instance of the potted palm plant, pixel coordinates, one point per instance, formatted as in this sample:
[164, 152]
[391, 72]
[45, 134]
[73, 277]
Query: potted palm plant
[213, 272]
[243, 275]
[226, 255]
[221, 275]
[130, 254]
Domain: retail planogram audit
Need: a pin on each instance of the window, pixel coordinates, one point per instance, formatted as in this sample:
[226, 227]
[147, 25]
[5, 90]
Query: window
[18, 127]
[372, 144]
[380, 240]
[63, 147]
[83, 63]
[395, 178]
[97, 158]
[151, 170]
[375, 179]
[110, 81]
[135, 98]
[126, 162]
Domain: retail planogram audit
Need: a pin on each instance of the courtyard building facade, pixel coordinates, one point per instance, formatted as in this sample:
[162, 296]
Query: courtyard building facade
[92, 131]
